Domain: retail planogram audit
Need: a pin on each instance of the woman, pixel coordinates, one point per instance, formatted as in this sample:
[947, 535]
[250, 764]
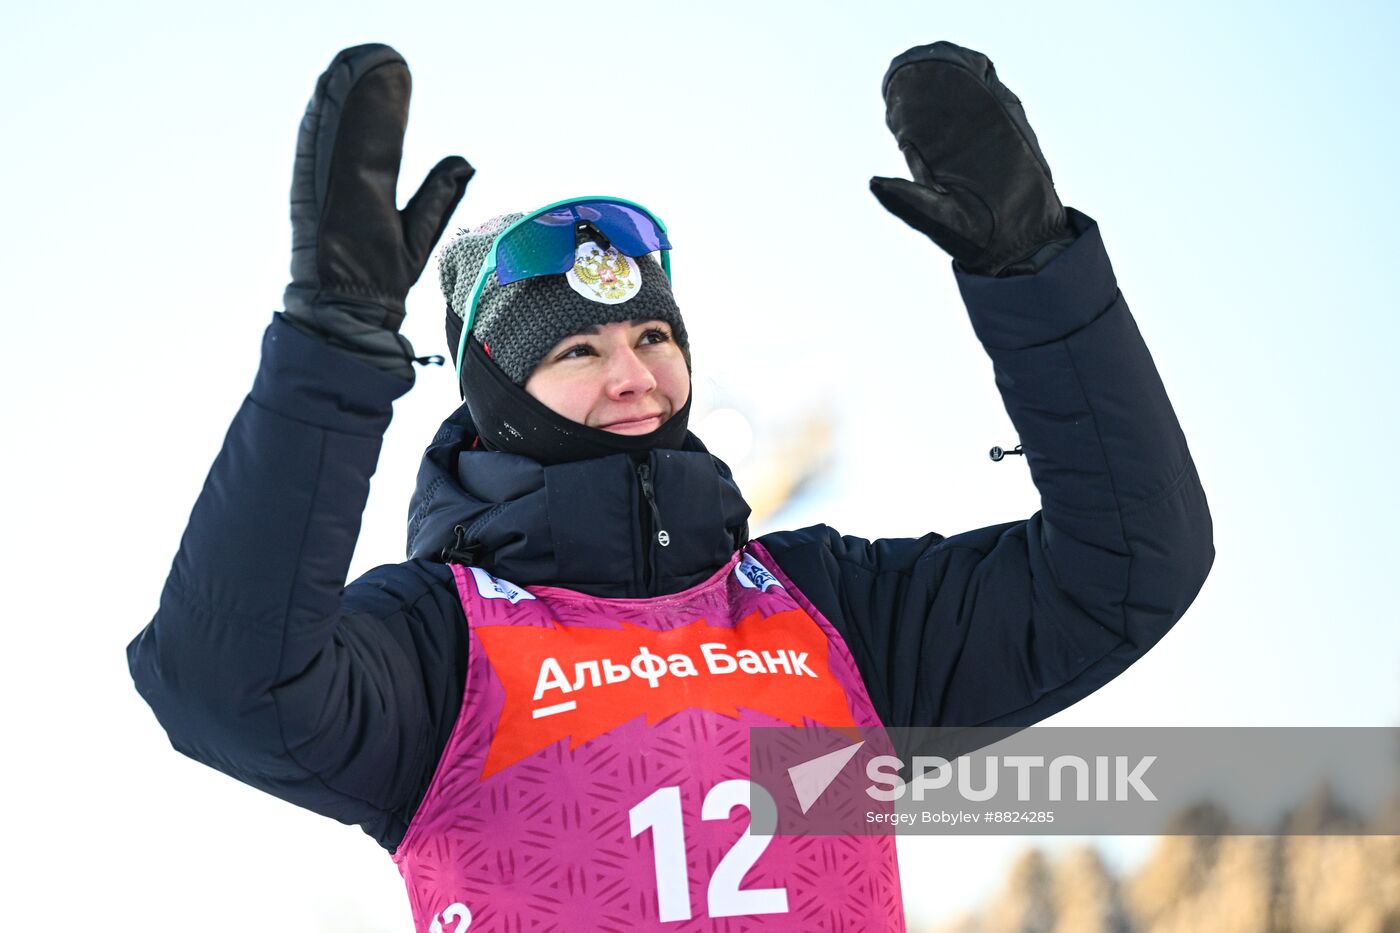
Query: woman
[543, 713]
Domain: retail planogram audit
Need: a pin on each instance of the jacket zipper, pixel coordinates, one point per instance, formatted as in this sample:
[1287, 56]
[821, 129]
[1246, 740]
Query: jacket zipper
[652, 529]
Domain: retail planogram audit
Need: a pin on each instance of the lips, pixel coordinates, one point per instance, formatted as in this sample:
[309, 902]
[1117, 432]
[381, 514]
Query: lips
[637, 424]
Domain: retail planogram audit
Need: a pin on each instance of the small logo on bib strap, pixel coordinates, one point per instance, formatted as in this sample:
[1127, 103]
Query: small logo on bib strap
[754, 576]
[492, 588]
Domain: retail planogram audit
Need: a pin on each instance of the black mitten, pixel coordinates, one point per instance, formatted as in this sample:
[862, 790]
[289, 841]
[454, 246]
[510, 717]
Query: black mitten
[982, 189]
[355, 255]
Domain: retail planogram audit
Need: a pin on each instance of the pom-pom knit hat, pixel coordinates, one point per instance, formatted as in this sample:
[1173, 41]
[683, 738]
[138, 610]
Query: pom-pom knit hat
[517, 324]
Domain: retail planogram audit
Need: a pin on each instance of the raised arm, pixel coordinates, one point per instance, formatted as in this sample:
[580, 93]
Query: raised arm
[260, 662]
[1008, 624]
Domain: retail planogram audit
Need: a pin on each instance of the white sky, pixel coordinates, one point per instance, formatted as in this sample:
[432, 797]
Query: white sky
[1240, 164]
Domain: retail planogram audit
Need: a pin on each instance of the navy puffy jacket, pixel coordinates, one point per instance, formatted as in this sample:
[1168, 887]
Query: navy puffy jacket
[262, 662]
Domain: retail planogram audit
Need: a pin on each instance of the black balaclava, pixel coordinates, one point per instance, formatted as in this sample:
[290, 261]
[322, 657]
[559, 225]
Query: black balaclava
[516, 324]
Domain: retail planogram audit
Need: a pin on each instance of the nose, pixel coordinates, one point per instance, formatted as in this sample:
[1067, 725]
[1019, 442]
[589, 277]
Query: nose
[628, 375]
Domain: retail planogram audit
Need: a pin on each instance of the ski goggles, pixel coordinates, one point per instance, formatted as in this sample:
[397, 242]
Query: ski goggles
[543, 242]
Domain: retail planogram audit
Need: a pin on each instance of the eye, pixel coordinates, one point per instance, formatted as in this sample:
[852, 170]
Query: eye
[575, 351]
[655, 335]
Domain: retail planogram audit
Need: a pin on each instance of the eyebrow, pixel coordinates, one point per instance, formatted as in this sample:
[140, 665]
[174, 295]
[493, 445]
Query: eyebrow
[592, 329]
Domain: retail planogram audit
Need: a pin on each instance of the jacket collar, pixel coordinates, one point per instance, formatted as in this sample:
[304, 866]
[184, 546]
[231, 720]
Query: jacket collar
[586, 525]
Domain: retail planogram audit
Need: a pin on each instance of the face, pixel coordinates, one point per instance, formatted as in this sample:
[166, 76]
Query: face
[624, 378]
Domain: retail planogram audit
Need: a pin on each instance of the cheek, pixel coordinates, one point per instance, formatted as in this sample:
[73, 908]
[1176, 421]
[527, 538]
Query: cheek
[571, 398]
[674, 382]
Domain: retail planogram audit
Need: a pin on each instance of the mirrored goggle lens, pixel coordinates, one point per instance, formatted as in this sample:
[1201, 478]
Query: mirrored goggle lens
[544, 244]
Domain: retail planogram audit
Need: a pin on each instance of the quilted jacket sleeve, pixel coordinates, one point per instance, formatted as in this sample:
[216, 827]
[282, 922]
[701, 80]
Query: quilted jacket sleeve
[1009, 624]
[260, 661]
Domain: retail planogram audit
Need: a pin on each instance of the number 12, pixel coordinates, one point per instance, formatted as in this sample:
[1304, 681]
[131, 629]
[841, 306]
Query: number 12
[661, 813]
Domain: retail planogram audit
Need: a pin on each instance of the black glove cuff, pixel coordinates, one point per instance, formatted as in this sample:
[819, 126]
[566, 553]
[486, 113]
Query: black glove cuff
[1039, 259]
[354, 328]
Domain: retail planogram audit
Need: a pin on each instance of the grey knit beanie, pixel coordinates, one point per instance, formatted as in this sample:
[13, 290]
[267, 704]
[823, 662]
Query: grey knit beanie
[517, 324]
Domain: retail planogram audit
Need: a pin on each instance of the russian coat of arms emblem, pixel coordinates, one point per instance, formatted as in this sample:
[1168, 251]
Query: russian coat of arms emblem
[604, 274]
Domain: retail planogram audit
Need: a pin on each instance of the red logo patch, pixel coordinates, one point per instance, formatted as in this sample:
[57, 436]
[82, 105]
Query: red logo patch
[580, 682]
